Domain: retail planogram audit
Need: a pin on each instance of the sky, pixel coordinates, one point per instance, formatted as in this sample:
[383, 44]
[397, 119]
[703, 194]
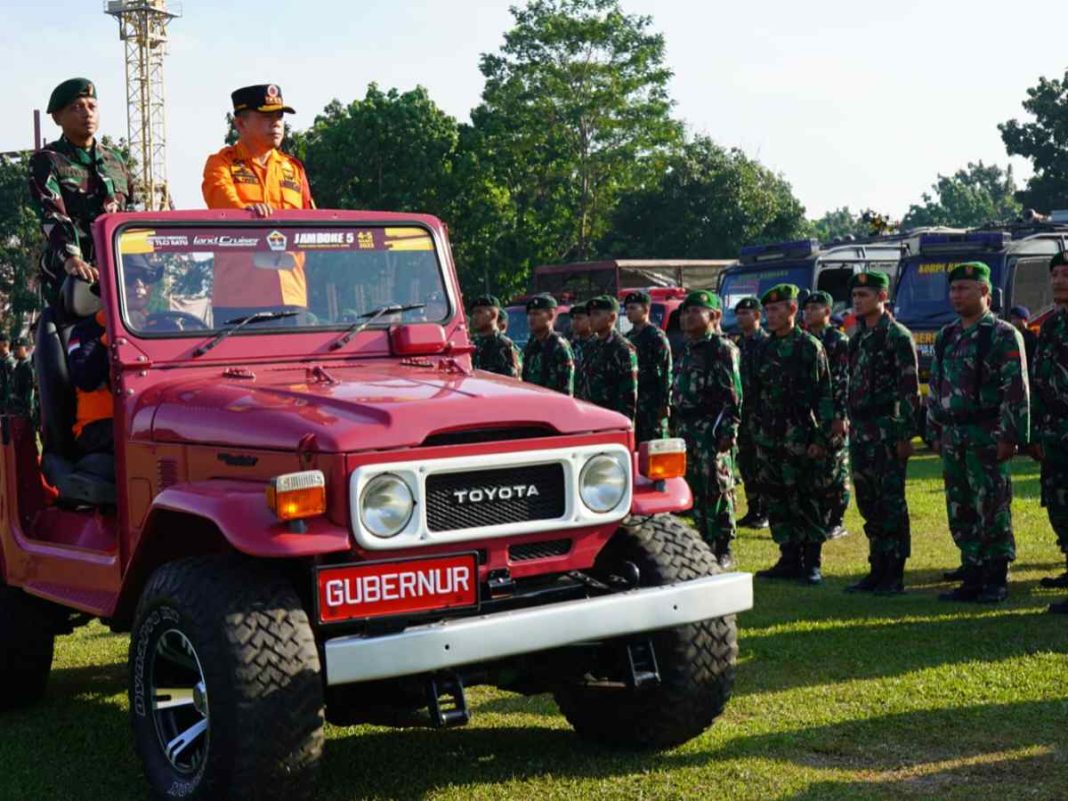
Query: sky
[855, 104]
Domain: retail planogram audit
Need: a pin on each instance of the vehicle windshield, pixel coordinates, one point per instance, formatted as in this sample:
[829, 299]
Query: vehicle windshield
[755, 281]
[922, 297]
[185, 280]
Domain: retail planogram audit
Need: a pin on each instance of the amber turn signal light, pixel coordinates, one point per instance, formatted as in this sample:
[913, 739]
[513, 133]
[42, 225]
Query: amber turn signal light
[295, 496]
[659, 459]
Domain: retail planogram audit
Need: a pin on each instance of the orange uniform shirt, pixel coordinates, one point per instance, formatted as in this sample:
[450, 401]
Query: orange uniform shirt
[233, 180]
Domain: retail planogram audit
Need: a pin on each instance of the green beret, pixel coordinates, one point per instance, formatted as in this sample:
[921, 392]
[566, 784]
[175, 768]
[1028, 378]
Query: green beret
[702, 299]
[541, 302]
[872, 279]
[1058, 260]
[638, 296]
[21, 342]
[69, 91]
[780, 292]
[747, 303]
[970, 271]
[487, 300]
[3, 338]
[579, 308]
[603, 302]
[820, 297]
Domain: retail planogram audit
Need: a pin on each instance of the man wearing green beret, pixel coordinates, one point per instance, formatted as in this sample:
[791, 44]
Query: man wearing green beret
[654, 368]
[978, 414]
[753, 336]
[547, 358]
[22, 380]
[581, 337]
[493, 350]
[1050, 414]
[72, 182]
[832, 479]
[706, 399]
[610, 365]
[884, 407]
[794, 411]
[7, 370]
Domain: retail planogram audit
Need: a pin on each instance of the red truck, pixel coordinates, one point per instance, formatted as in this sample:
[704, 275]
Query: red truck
[321, 512]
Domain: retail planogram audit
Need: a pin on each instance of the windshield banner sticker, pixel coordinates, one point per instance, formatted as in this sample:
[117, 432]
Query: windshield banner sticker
[143, 241]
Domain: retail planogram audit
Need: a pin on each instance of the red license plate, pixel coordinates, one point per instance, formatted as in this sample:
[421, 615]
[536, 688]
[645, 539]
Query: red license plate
[380, 589]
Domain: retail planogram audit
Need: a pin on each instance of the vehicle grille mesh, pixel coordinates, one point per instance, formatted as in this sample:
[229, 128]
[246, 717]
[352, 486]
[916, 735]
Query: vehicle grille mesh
[457, 501]
[538, 550]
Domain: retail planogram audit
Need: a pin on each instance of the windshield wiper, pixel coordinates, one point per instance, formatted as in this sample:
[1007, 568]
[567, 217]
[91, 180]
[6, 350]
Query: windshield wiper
[236, 324]
[368, 318]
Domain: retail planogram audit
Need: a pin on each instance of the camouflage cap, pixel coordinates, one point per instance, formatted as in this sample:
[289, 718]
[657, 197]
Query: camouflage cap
[970, 271]
[602, 302]
[820, 297]
[69, 91]
[487, 300]
[265, 97]
[1058, 260]
[750, 303]
[540, 302]
[638, 296]
[702, 299]
[780, 292]
[870, 279]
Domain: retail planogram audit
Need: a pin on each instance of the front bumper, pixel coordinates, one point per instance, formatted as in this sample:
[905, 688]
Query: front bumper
[467, 641]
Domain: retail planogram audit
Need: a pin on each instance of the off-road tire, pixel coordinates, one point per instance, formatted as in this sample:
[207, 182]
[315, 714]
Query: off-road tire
[696, 661]
[256, 653]
[27, 641]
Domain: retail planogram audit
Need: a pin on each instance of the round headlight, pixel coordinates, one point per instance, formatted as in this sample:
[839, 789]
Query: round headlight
[386, 505]
[602, 483]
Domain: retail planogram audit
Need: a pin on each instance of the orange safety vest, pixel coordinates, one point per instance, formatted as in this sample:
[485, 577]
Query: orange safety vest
[97, 404]
[233, 180]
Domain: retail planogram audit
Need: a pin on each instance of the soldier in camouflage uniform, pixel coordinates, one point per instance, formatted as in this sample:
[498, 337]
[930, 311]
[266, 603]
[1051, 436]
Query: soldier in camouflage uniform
[884, 403]
[22, 383]
[547, 358]
[73, 181]
[832, 478]
[609, 364]
[581, 335]
[654, 368]
[793, 408]
[978, 414]
[752, 338]
[7, 369]
[706, 400]
[1050, 415]
[493, 350]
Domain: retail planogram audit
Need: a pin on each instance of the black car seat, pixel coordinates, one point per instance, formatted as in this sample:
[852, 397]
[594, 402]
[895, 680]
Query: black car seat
[79, 479]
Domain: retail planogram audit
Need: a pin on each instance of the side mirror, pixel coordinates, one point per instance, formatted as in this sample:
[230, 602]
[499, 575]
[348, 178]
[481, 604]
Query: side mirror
[997, 299]
[416, 339]
[274, 261]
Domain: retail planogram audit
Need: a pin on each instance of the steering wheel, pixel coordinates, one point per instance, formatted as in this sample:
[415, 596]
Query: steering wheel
[173, 321]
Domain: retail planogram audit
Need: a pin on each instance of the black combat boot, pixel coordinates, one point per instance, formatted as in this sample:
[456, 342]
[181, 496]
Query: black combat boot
[875, 574]
[788, 566]
[836, 531]
[970, 589]
[811, 559]
[1057, 581]
[995, 581]
[756, 517]
[722, 550]
[1059, 608]
[893, 579]
[954, 575]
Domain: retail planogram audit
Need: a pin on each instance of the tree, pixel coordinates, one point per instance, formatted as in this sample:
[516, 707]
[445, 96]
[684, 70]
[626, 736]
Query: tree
[20, 241]
[973, 196]
[1045, 142]
[840, 223]
[574, 114]
[708, 203]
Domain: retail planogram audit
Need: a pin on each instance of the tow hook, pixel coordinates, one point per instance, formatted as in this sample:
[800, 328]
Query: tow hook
[447, 688]
[643, 670]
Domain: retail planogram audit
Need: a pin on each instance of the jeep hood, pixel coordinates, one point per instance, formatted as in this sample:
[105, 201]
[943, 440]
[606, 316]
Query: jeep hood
[354, 407]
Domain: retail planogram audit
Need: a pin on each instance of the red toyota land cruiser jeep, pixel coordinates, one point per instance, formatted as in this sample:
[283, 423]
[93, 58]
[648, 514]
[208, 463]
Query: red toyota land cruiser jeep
[319, 511]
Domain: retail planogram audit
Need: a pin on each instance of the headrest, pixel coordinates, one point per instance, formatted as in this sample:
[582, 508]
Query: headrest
[80, 298]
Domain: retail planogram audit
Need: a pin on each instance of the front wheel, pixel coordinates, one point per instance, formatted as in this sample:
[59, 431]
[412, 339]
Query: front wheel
[696, 661]
[226, 695]
[27, 642]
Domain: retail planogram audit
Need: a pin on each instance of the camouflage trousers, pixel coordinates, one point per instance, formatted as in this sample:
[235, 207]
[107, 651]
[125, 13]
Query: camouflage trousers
[747, 466]
[831, 482]
[785, 474]
[978, 502]
[879, 480]
[648, 424]
[1055, 495]
[710, 475]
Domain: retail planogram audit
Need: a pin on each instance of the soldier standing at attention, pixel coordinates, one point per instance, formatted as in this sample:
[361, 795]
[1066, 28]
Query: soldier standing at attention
[72, 182]
[22, 385]
[706, 396]
[794, 410]
[752, 339]
[977, 416]
[610, 365]
[547, 358]
[832, 478]
[581, 335]
[493, 350]
[654, 368]
[7, 369]
[884, 404]
[1050, 409]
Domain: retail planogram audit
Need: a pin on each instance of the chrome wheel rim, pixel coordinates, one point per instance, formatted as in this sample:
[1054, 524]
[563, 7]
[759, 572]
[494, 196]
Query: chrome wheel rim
[179, 702]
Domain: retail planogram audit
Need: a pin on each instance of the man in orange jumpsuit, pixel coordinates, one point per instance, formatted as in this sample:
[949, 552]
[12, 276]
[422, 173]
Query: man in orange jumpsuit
[254, 174]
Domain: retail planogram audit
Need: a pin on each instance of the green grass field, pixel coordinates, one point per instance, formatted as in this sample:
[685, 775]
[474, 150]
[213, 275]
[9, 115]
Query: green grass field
[837, 697]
